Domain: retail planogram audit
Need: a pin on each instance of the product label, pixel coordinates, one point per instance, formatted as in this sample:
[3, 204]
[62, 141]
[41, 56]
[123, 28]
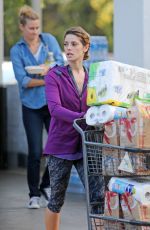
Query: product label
[121, 187]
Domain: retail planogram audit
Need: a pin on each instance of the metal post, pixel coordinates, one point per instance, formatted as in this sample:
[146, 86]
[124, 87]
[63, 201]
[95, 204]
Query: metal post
[132, 32]
[1, 39]
[37, 6]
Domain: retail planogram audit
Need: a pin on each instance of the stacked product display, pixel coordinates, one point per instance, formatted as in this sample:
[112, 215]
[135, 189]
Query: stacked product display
[118, 96]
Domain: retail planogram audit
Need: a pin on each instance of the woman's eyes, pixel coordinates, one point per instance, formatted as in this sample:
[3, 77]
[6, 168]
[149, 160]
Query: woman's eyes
[72, 44]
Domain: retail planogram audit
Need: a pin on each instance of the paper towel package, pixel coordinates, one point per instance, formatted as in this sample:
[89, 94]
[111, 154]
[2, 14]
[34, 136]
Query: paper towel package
[140, 189]
[115, 83]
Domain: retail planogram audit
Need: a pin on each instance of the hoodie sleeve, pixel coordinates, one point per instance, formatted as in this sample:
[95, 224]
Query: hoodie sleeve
[54, 101]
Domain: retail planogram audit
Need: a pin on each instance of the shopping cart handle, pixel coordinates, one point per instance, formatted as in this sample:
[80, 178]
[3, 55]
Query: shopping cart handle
[78, 125]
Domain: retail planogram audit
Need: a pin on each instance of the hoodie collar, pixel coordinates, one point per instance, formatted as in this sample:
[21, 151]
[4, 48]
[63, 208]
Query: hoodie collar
[65, 70]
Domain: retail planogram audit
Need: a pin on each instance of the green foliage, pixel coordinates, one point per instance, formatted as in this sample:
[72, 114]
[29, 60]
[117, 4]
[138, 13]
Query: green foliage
[70, 13]
[95, 16]
[11, 31]
[104, 17]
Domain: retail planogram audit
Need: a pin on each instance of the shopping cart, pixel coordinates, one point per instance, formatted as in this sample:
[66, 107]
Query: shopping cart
[104, 160]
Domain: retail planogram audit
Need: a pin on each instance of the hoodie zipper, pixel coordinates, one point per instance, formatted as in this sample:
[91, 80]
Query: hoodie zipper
[76, 88]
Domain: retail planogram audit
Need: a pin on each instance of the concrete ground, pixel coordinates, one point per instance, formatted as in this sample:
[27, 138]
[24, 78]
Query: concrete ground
[14, 198]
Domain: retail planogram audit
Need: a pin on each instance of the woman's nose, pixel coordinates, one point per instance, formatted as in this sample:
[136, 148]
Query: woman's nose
[69, 46]
[36, 31]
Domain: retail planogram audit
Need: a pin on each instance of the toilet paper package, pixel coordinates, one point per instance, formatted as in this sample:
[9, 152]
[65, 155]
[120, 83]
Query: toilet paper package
[140, 189]
[116, 83]
[92, 116]
[102, 114]
[108, 113]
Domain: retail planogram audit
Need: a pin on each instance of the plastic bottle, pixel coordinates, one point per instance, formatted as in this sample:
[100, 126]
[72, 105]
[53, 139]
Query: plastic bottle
[50, 59]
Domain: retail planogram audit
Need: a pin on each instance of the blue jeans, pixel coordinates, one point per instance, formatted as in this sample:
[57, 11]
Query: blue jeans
[34, 120]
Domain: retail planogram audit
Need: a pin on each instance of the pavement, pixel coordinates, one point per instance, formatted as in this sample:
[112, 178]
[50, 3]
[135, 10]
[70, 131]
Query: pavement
[14, 214]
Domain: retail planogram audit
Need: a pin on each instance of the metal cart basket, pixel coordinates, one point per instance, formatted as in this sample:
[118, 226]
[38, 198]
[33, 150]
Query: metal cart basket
[103, 160]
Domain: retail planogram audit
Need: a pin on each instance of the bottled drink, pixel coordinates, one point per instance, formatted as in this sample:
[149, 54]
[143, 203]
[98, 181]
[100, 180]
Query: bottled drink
[50, 59]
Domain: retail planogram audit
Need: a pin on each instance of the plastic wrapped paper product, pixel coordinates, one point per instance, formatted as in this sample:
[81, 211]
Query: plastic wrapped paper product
[92, 116]
[108, 113]
[115, 83]
[104, 113]
[139, 189]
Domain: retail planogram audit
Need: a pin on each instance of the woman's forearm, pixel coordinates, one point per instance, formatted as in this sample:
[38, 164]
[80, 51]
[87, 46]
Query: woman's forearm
[36, 83]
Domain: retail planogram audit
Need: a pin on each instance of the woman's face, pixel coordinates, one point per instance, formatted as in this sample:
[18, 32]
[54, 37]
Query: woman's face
[74, 48]
[30, 30]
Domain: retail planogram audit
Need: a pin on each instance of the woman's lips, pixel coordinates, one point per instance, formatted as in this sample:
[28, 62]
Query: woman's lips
[69, 54]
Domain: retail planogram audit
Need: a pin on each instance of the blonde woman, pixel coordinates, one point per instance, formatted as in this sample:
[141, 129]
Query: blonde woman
[33, 50]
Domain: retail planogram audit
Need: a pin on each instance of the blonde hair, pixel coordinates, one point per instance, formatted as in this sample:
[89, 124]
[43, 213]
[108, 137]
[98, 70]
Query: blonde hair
[82, 34]
[26, 12]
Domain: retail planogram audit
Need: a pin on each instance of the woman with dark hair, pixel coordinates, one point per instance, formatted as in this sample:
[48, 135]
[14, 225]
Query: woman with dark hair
[66, 92]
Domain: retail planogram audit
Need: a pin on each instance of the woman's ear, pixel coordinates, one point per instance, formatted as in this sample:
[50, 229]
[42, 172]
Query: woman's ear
[86, 47]
[21, 27]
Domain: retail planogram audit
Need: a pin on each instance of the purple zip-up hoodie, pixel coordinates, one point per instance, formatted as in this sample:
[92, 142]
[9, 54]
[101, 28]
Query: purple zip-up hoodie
[65, 104]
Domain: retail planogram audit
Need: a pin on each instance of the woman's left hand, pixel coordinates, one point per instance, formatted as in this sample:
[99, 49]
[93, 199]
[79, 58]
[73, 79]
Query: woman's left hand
[45, 69]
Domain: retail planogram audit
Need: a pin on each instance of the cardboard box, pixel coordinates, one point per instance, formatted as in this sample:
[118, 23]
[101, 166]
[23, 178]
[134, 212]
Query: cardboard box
[111, 156]
[128, 132]
[126, 81]
[134, 210]
[135, 132]
[112, 134]
[111, 207]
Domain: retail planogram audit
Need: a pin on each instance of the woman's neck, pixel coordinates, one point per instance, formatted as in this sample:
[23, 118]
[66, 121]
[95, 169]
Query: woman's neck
[31, 42]
[76, 66]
